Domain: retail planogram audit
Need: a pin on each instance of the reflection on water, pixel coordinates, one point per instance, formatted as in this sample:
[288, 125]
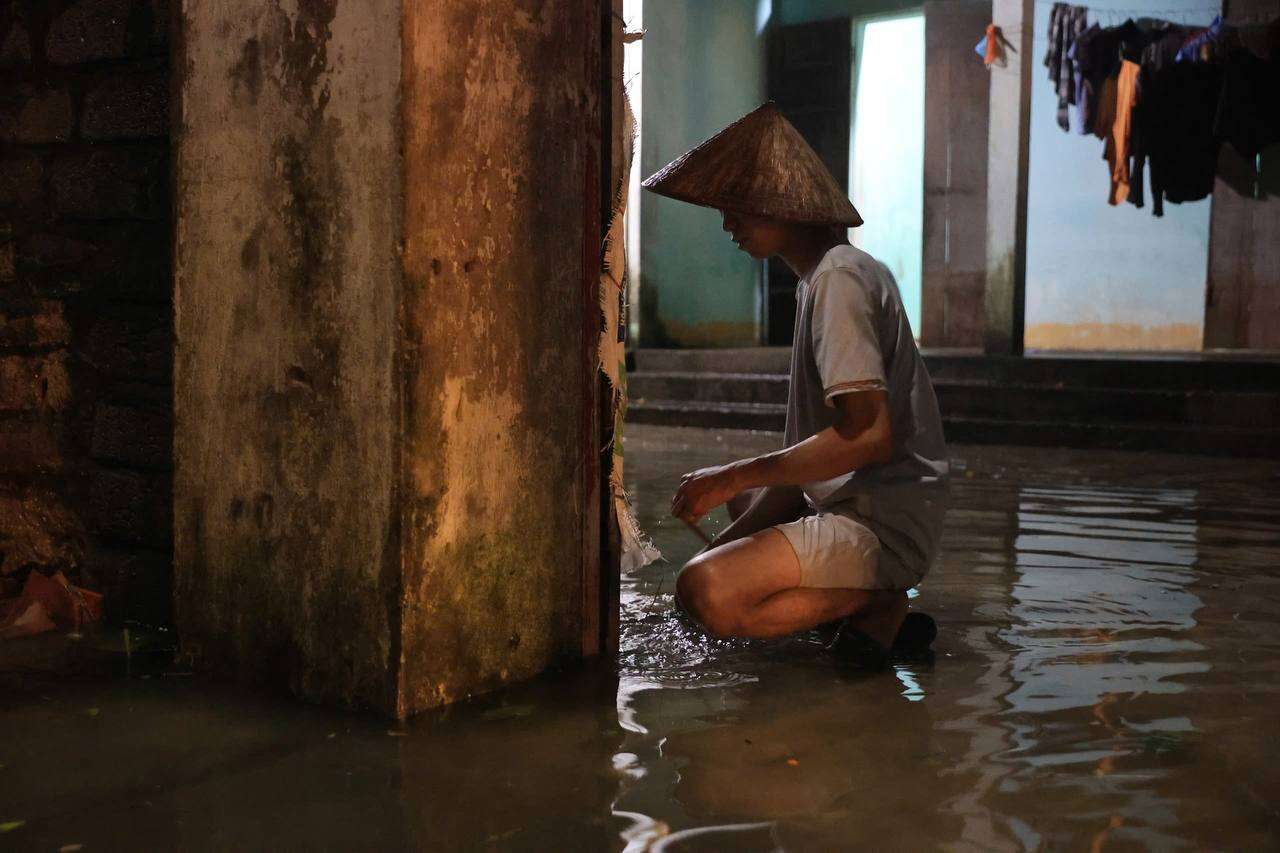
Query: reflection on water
[1102, 596]
[1074, 702]
[1107, 677]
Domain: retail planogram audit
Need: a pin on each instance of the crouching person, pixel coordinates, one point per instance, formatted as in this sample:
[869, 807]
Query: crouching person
[832, 530]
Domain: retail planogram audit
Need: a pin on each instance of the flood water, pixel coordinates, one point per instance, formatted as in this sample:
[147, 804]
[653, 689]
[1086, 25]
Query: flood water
[1107, 677]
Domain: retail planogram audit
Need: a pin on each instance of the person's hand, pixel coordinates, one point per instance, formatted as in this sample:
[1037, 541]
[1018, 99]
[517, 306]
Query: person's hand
[703, 490]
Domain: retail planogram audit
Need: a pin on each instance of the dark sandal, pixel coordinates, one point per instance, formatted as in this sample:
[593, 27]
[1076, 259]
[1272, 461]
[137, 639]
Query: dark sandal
[857, 650]
[917, 633]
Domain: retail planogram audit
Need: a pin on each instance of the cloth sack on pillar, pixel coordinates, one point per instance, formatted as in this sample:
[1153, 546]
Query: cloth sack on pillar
[760, 165]
[637, 549]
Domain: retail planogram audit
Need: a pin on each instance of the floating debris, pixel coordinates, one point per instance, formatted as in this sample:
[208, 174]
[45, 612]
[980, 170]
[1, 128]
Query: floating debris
[508, 712]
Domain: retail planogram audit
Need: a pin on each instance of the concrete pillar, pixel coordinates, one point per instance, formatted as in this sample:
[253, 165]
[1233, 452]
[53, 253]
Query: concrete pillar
[956, 97]
[1007, 160]
[1242, 296]
[386, 262]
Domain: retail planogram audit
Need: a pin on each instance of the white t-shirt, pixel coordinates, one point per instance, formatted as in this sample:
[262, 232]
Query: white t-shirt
[852, 334]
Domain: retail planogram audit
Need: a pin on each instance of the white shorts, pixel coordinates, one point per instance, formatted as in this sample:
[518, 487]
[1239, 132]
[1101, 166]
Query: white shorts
[839, 552]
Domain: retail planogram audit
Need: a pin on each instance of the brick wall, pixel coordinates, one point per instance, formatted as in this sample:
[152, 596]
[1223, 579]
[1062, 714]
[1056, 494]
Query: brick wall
[86, 333]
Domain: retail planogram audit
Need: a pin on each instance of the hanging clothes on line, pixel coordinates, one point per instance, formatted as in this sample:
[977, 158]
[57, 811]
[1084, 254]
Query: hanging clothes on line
[1066, 24]
[1086, 94]
[1248, 118]
[1097, 55]
[1173, 122]
[1248, 115]
[1116, 150]
[1164, 98]
[1202, 41]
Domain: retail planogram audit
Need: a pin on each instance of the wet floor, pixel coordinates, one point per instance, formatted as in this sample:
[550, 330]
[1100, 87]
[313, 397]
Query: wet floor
[1106, 677]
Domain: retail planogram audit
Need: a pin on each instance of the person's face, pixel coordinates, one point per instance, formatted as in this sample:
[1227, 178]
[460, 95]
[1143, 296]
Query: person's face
[758, 236]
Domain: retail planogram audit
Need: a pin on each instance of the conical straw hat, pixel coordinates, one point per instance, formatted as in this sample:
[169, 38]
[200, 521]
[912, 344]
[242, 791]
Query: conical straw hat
[758, 165]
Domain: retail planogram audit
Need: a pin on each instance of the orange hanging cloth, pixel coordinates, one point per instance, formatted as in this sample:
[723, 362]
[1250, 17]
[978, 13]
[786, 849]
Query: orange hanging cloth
[995, 49]
[991, 47]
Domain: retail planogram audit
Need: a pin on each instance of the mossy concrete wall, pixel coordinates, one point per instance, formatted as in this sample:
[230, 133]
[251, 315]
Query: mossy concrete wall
[379, 313]
[287, 293]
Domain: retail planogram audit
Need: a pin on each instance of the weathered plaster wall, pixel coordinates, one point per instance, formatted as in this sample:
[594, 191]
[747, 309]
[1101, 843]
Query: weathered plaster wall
[703, 68]
[502, 140]
[288, 282]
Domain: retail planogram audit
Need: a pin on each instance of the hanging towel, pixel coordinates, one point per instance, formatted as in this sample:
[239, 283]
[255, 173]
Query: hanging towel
[991, 48]
[637, 549]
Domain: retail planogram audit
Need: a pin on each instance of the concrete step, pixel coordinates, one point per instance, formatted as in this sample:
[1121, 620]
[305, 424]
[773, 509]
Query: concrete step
[987, 400]
[1209, 440]
[1210, 404]
[758, 416]
[1190, 372]
[1215, 441]
[774, 360]
[711, 387]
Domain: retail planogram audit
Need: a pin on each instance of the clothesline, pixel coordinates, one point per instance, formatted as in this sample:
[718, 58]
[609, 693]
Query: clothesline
[1252, 17]
[1165, 100]
[1119, 15]
[1146, 13]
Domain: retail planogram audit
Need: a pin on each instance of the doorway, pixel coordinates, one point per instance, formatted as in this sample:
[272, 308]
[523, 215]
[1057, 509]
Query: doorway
[854, 88]
[886, 159]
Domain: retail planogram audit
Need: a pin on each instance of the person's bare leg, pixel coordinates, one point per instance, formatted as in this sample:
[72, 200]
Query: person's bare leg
[751, 588]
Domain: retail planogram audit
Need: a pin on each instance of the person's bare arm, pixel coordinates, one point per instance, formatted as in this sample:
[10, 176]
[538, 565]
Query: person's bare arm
[862, 436]
[772, 505]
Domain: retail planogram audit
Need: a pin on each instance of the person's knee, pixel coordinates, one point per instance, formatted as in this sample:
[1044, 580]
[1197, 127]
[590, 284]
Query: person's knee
[705, 599]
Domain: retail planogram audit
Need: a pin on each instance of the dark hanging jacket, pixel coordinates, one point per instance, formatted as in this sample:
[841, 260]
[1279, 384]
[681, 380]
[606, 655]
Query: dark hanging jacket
[1173, 121]
[1248, 113]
